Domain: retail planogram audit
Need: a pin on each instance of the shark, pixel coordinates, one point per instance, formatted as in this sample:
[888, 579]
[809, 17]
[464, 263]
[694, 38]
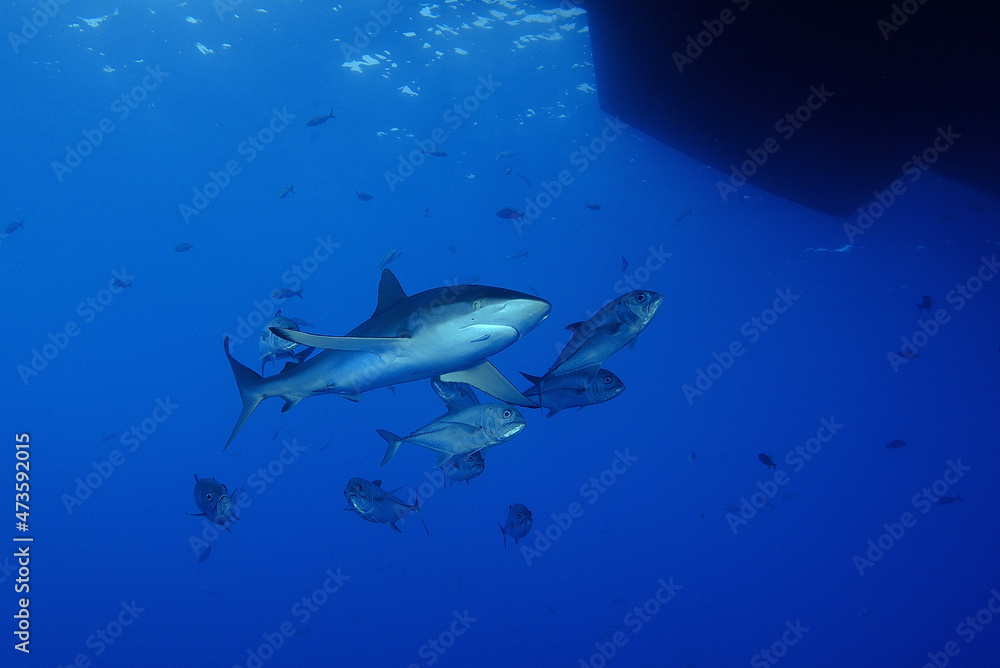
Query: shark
[448, 332]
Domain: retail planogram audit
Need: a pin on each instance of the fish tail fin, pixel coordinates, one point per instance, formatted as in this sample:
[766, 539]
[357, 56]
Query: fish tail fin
[393, 441]
[251, 387]
[534, 380]
[291, 189]
[416, 508]
[298, 293]
[504, 533]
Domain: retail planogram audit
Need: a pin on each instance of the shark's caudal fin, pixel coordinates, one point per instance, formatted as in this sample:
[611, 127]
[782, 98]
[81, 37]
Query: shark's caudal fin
[393, 441]
[250, 385]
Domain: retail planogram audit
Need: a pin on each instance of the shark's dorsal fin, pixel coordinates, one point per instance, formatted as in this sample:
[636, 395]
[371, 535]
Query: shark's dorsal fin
[377, 483]
[390, 292]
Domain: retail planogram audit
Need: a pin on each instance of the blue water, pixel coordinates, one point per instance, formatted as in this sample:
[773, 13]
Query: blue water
[651, 571]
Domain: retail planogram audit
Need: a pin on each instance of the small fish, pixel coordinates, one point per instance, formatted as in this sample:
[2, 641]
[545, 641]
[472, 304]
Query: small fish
[374, 504]
[507, 170]
[327, 444]
[510, 214]
[693, 457]
[767, 461]
[121, 283]
[624, 262]
[593, 207]
[867, 611]
[527, 181]
[427, 212]
[945, 500]
[273, 347]
[907, 354]
[389, 257]
[684, 214]
[214, 501]
[13, 226]
[767, 502]
[925, 303]
[286, 293]
[518, 523]
[286, 191]
[465, 467]
[454, 395]
[180, 248]
[452, 248]
[790, 495]
[436, 153]
[523, 254]
[364, 197]
[204, 554]
[895, 444]
[575, 389]
[505, 155]
[320, 120]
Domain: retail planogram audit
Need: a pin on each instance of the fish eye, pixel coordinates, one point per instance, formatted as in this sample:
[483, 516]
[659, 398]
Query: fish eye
[641, 297]
[477, 304]
[208, 497]
[607, 380]
[359, 487]
[507, 413]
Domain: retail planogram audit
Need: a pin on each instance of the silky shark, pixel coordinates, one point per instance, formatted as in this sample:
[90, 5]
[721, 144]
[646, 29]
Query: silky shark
[448, 332]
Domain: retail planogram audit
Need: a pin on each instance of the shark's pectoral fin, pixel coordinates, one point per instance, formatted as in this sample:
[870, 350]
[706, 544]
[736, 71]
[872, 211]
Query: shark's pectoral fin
[385, 347]
[486, 377]
[290, 404]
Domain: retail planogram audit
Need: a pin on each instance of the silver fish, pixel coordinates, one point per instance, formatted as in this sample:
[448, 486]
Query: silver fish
[448, 332]
[465, 466]
[214, 502]
[273, 348]
[454, 395]
[518, 524]
[574, 390]
[372, 503]
[460, 431]
[389, 257]
[608, 331]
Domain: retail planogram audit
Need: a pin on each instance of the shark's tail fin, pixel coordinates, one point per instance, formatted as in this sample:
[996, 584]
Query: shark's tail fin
[393, 441]
[250, 385]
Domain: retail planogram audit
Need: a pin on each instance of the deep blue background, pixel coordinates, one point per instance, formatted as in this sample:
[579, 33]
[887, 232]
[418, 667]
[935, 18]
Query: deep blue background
[827, 357]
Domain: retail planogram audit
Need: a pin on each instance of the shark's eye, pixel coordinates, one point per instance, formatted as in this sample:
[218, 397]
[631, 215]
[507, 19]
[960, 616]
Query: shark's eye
[360, 488]
[477, 304]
